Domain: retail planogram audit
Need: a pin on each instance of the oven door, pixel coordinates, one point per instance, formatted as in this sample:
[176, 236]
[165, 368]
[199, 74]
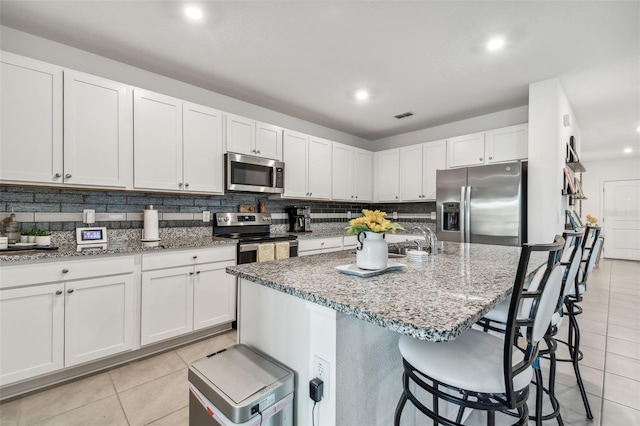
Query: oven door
[248, 252]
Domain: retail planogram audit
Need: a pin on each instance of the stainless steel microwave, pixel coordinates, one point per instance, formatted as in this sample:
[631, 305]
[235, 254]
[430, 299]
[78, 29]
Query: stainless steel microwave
[253, 174]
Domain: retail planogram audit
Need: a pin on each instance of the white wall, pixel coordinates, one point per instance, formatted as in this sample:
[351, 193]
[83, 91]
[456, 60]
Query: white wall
[547, 150]
[25, 44]
[481, 123]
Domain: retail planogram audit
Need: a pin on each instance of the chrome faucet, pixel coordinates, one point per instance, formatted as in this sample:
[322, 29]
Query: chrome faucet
[430, 238]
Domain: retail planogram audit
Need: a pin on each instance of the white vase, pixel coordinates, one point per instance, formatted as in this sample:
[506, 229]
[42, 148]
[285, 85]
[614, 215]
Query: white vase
[372, 251]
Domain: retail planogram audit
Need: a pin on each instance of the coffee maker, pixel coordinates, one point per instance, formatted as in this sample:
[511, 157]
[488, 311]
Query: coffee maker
[299, 218]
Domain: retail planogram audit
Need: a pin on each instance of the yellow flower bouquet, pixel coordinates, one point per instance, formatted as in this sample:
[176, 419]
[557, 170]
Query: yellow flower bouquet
[372, 221]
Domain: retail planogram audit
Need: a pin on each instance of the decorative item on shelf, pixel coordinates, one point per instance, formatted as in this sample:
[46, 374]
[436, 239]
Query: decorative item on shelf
[578, 186]
[592, 220]
[372, 253]
[43, 238]
[569, 185]
[246, 208]
[11, 228]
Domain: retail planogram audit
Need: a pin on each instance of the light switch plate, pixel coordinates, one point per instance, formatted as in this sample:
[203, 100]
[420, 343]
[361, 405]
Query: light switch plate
[206, 216]
[433, 215]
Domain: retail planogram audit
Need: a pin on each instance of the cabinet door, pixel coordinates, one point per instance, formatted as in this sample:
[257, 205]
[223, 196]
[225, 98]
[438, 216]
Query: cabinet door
[98, 318]
[363, 175]
[214, 295]
[507, 144]
[295, 160]
[31, 326]
[341, 180]
[387, 175]
[466, 150]
[203, 157]
[97, 131]
[157, 141]
[319, 167]
[241, 135]
[434, 157]
[167, 304]
[31, 117]
[268, 141]
[411, 173]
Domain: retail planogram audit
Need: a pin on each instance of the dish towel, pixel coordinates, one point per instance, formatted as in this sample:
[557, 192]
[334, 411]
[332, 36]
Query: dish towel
[282, 250]
[266, 252]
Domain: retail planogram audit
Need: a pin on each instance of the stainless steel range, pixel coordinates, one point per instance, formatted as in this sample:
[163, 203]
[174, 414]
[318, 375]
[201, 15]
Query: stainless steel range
[251, 230]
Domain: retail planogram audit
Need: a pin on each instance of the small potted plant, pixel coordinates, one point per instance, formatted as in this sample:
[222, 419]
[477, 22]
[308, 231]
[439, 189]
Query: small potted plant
[42, 238]
[24, 236]
[31, 235]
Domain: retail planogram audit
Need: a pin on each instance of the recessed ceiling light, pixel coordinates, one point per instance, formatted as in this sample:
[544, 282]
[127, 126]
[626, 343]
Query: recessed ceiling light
[628, 150]
[495, 43]
[193, 12]
[638, 129]
[362, 95]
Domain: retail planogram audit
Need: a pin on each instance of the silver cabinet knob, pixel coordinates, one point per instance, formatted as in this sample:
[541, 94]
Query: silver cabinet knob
[480, 158]
[356, 197]
[68, 175]
[179, 184]
[195, 257]
[258, 152]
[57, 175]
[197, 272]
[65, 270]
[191, 273]
[490, 158]
[396, 197]
[254, 151]
[58, 293]
[186, 185]
[70, 291]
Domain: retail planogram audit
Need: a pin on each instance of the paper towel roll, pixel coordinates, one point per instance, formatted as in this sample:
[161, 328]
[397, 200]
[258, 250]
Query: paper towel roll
[150, 231]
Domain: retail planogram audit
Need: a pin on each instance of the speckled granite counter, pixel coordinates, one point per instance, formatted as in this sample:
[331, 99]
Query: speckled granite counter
[435, 300]
[117, 247]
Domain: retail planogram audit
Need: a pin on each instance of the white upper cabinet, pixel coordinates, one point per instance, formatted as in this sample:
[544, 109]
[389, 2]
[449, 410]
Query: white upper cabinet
[97, 131]
[507, 144]
[177, 146]
[307, 166]
[246, 136]
[434, 158]
[411, 173]
[352, 171]
[203, 156]
[157, 141]
[31, 117]
[467, 150]
[387, 175]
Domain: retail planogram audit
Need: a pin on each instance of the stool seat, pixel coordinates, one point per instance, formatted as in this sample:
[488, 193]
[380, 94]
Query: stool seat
[473, 361]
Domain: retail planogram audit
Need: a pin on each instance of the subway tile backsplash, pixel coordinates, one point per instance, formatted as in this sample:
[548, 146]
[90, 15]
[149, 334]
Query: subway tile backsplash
[60, 209]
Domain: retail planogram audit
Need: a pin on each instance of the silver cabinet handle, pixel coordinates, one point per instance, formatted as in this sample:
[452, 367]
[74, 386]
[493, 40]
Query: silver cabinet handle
[197, 272]
[57, 175]
[311, 193]
[195, 257]
[191, 273]
[68, 175]
[70, 291]
[65, 270]
[58, 293]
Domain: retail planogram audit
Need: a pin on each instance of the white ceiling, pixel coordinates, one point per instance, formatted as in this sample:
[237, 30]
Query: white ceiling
[307, 58]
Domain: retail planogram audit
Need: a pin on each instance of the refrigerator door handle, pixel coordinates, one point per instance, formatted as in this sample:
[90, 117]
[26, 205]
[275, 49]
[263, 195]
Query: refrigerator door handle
[467, 215]
[463, 214]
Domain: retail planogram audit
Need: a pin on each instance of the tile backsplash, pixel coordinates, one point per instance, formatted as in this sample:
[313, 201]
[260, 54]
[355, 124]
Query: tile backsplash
[60, 209]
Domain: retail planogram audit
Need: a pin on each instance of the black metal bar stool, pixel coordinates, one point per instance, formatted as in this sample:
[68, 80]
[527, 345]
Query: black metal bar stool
[481, 371]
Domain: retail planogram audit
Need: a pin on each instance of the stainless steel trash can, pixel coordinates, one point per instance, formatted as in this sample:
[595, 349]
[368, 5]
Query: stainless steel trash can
[240, 386]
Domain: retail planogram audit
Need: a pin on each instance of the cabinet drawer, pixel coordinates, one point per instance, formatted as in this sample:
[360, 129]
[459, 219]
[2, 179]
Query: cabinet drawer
[65, 270]
[319, 243]
[171, 259]
[350, 241]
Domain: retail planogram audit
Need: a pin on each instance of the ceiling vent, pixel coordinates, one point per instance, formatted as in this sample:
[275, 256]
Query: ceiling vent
[404, 115]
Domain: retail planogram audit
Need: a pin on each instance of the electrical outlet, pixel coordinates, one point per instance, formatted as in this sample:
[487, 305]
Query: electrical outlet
[349, 214]
[433, 215]
[321, 371]
[395, 215]
[206, 216]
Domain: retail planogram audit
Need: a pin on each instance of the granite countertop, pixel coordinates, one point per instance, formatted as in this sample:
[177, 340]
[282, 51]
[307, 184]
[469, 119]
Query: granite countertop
[435, 300]
[115, 247]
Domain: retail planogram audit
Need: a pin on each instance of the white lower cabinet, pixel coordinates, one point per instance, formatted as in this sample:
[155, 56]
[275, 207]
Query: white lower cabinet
[62, 314]
[186, 291]
[311, 246]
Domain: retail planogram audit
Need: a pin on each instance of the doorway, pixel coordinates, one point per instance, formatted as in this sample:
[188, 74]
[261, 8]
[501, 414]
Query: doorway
[621, 219]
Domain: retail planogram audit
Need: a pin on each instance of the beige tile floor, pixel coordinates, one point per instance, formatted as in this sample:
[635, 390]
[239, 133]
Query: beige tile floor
[154, 391]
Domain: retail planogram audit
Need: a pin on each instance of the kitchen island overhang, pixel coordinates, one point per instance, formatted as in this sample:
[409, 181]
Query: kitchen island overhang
[353, 323]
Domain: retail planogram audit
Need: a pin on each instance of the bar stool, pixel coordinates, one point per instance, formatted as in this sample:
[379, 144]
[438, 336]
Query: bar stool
[496, 319]
[592, 243]
[481, 371]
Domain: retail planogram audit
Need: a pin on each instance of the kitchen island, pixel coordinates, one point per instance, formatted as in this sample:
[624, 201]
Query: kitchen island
[320, 318]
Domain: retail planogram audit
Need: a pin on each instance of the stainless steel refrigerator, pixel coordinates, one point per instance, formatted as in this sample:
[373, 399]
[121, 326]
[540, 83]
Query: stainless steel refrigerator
[484, 204]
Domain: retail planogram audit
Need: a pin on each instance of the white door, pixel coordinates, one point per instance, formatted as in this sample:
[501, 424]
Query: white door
[31, 120]
[214, 295]
[411, 173]
[622, 219]
[241, 135]
[434, 157]
[319, 167]
[157, 141]
[97, 131]
[341, 185]
[467, 150]
[98, 318]
[363, 175]
[387, 171]
[203, 156]
[295, 160]
[507, 144]
[32, 330]
[167, 304]
[269, 141]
